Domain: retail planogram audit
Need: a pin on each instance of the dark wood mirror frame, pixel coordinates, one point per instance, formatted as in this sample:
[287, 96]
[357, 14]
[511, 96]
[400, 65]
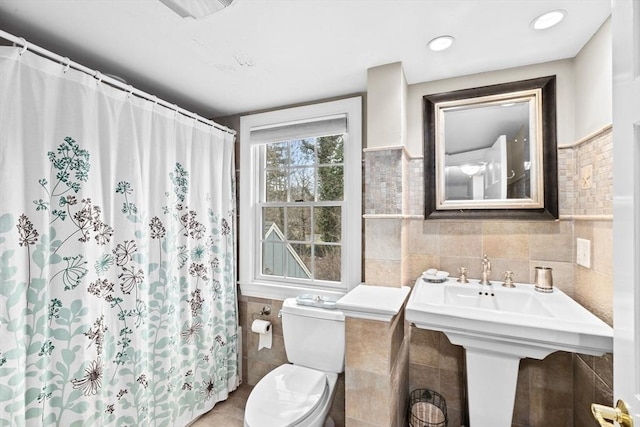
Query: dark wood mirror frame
[549, 152]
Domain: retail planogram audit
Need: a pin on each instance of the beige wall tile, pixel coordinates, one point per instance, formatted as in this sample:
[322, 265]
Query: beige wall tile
[551, 390]
[451, 356]
[425, 347]
[424, 237]
[396, 339]
[365, 394]
[367, 345]
[351, 422]
[551, 241]
[245, 370]
[455, 417]
[406, 280]
[383, 239]
[553, 372]
[550, 408]
[583, 229]
[583, 392]
[602, 247]
[595, 292]
[256, 370]
[421, 376]
[521, 407]
[603, 367]
[337, 408]
[400, 386]
[383, 273]
[242, 313]
[418, 263]
[461, 239]
[505, 239]
[274, 356]
[452, 388]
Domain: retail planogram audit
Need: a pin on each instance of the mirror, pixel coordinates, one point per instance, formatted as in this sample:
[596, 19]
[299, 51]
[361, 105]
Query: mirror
[491, 152]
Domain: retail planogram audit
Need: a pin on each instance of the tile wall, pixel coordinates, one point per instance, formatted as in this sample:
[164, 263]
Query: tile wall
[376, 368]
[399, 245]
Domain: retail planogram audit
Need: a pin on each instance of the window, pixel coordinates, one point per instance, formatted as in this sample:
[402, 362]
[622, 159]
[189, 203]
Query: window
[300, 200]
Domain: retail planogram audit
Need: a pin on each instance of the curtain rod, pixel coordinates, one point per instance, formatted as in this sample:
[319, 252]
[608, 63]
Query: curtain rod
[110, 80]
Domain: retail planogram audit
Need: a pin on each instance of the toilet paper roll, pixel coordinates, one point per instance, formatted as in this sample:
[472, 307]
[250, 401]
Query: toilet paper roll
[263, 328]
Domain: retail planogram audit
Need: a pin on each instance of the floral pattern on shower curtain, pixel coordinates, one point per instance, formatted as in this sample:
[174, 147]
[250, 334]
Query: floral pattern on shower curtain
[117, 263]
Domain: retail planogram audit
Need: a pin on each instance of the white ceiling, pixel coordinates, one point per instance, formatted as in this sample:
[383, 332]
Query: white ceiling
[259, 54]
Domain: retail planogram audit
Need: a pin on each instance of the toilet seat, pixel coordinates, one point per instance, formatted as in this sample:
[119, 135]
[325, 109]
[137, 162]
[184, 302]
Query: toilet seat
[286, 396]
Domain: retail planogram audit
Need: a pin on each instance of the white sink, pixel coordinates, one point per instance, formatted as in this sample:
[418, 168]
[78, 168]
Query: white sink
[514, 301]
[497, 327]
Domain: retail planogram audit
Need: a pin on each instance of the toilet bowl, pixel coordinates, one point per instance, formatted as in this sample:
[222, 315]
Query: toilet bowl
[301, 393]
[290, 396]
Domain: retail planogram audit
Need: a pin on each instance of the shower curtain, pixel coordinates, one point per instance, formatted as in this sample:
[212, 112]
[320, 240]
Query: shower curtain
[117, 285]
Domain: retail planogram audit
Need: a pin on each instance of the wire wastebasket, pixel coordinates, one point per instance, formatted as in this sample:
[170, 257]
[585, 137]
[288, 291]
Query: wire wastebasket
[427, 408]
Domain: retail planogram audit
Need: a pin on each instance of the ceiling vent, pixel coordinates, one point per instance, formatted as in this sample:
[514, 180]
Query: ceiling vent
[196, 8]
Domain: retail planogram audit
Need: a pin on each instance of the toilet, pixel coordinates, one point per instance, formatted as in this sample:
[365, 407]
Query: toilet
[301, 393]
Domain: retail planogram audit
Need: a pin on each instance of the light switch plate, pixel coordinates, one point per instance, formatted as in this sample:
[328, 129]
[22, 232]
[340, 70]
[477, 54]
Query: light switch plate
[583, 252]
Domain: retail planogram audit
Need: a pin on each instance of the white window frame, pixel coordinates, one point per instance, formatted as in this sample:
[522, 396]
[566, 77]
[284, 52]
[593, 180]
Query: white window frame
[252, 283]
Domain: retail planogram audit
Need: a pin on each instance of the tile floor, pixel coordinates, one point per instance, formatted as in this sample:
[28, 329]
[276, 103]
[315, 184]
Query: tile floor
[229, 413]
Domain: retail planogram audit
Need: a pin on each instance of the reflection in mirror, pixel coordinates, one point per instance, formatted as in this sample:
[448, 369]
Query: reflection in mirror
[488, 150]
[491, 151]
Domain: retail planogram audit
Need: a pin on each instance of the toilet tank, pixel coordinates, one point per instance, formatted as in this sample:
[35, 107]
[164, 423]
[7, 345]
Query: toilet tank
[313, 337]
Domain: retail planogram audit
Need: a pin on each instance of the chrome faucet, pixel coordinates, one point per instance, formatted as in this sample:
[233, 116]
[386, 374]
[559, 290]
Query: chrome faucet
[486, 270]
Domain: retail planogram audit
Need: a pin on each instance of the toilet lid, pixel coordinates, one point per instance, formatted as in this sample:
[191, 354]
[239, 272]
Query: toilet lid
[285, 396]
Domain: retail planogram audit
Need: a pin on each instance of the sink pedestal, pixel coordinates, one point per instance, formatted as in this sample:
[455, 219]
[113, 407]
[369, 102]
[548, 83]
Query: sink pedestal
[492, 376]
[491, 387]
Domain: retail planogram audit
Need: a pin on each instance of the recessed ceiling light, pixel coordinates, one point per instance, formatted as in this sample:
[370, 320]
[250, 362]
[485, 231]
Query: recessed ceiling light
[441, 43]
[549, 19]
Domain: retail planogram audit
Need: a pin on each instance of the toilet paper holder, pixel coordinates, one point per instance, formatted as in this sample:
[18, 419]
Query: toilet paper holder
[265, 311]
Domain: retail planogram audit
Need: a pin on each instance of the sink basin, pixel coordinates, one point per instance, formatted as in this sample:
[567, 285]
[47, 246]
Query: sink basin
[516, 301]
[498, 326]
[541, 322]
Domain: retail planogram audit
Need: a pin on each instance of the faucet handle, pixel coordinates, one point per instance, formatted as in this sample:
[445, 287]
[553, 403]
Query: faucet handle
[508, 279]
[462, 278]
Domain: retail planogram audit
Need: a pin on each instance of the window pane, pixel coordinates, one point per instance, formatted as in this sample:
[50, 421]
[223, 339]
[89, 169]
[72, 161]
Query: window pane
[299, 261]
[330, 149]
[276, 186]
[302, 152]
[330, 183]
[273, 256]
[302, 184]
[328, 224]
[299, 224]
[277, 155]
[272, 223]
[327, 262]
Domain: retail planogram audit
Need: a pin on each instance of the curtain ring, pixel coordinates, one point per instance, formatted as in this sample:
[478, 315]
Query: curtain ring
[130, 91]
[25, 45]
[98, 76]
[67, 64]
[155, 100]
